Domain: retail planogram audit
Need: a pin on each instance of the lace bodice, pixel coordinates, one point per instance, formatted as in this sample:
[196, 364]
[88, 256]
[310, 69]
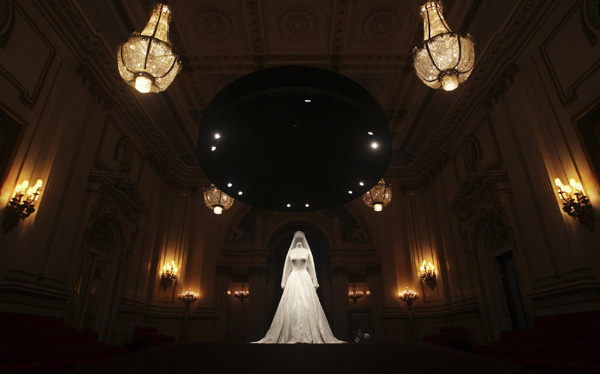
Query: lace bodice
[299, 262]
[299, 259]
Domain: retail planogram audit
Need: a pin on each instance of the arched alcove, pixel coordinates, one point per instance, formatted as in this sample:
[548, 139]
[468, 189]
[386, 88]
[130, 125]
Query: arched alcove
[501, 296]
[278, 246]
[253, 253]
[101, 254]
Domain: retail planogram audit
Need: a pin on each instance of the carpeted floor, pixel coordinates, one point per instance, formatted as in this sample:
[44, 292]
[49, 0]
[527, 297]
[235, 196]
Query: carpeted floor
[298, 358]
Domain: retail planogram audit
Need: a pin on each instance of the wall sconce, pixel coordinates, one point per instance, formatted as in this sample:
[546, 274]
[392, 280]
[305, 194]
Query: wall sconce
[242, 294]
[187, 298]
[428, 274]
[18, 207]
[409, 297]
[577, 205]
[354, 294]
[169, 275]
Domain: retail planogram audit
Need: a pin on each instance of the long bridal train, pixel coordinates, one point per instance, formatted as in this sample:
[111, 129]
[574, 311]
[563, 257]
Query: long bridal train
[299, 317]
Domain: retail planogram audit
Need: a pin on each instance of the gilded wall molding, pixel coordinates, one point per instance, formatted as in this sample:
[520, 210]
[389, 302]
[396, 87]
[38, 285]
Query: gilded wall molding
[27, 97]
[567, 95]
[7, 21]
[98, 59]
[506, 45]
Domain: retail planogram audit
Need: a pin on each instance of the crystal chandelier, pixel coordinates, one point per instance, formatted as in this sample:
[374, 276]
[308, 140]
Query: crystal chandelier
[217, 200]
[378, 196]
[146, 60]
[446, 58]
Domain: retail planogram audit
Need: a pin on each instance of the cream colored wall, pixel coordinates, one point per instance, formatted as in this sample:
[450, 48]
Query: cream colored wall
[70, 140]
[528, 134]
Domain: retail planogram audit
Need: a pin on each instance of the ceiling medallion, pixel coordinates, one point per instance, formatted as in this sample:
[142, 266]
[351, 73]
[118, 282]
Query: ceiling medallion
[371, 85]
[380, 25]
[294, 138]
[214, 25]
[297, 24]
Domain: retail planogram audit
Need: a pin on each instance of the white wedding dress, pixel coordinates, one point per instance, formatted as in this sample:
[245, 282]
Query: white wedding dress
[299, 317]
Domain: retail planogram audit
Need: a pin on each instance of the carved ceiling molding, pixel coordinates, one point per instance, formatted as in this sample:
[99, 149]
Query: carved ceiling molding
[123, 154]
[590, 19]
[340, 24]
[254, 20]
[89, 80]
[487, 70]
[297, 24]
[80, 37]
[99, 59]
[380, 25]
[406, 75]
[7, 21]
[180, 123]
[500, 85]
[213, 25]
[117, 195]
[248, 226]
[475, 191]
[217, 60]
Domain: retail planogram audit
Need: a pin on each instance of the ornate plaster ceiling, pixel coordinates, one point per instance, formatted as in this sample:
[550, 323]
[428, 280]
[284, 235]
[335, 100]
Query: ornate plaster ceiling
[369, 42]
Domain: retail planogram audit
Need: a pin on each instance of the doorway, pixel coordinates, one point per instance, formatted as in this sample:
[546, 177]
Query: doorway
[512, 291]
[93, 296]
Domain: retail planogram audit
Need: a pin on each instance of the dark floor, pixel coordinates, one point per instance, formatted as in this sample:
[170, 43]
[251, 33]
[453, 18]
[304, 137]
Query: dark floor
[299, 358]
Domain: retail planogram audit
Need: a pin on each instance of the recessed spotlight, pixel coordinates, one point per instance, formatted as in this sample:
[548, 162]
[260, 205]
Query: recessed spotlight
[289, 205]
[213, 148]
[307, 100]
[361, 183]
[240, 193]
[350, 192]
[229, 184]
[217, 136]
[374, 145]
[370, 133]
[306, 205]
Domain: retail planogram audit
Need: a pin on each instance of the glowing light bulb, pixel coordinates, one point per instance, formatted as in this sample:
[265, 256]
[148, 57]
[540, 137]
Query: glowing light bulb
[143, 84]
[449, 82]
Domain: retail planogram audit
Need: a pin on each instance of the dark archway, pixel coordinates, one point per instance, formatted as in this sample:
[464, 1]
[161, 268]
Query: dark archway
[278, 245]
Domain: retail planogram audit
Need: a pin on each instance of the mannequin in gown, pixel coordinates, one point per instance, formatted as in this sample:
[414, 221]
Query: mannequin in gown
[299, 317]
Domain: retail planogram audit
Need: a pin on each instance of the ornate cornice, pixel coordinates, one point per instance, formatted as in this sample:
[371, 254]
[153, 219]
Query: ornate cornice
[97, 60]
[489, 68]
[476, 189]
[117, 191]
[7, 22]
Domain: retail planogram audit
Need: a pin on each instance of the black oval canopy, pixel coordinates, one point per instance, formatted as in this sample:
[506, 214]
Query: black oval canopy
[294, 138]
